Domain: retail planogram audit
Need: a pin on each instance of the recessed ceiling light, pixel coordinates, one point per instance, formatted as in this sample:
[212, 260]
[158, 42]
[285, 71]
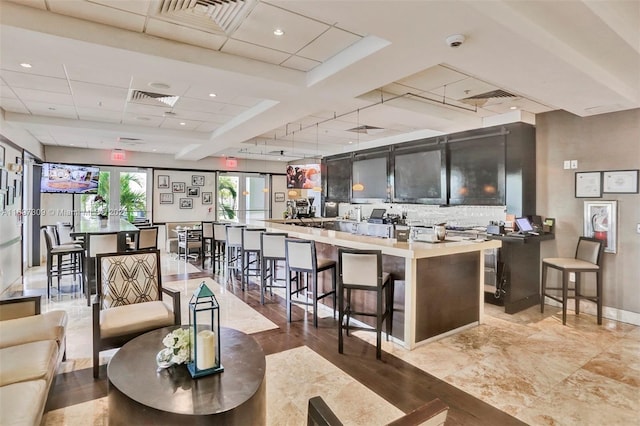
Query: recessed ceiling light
[513, 107]
[158, 85]
[182, 123]
[25, 65]
[278, 32]
[350, 142]
[213, 95]
[154, 150]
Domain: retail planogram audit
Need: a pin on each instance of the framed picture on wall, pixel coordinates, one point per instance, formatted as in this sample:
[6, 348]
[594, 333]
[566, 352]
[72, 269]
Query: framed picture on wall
[588, 185]
[193, 191]
[207, 198]
[163, 182]
[197, 180]
[177, 187]
[279, 197]
[186, 203]
[166, 198]
[600, 222]
[620, 182]
[4, 179]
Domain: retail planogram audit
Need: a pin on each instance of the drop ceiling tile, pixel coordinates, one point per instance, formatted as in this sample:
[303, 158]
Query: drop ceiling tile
[240, 48]
[202, 105]
[232, 109]
[148, 110]
[174, 123]
[142, 120]
[38, 82]
[299, 63]
[258, 28]
[207, 127]
[328, 44]
[181, 33]
[141, 7]
[92, 95]
[463, 89]
[432, 78]
[98, 13]
[52, 98]
[39, 4]
[247, 101]
[45, 109]
[6, 92]
[193, 115]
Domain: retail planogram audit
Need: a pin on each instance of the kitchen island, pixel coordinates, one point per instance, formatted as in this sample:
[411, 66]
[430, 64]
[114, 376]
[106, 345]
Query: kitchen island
[438, 287]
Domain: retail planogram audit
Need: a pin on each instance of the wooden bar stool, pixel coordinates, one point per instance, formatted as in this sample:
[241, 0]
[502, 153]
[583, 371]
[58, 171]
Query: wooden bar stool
[587, 259]
[301, 258]
[361, 270]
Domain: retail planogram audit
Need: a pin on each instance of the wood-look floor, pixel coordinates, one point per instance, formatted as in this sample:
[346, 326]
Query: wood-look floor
[400, 383]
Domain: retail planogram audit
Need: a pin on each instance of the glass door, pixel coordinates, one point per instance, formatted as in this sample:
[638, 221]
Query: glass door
[242, 197]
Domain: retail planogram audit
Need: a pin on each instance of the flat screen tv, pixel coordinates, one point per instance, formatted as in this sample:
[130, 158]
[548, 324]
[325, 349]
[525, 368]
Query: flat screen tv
[303, 176]
[69, 178]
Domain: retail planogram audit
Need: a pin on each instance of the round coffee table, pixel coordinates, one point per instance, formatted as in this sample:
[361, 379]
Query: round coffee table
[140, 394]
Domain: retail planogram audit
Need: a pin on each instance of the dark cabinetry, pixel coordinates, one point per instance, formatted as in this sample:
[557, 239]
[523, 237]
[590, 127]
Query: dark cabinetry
[371, 170]
[419, 175]
[338, 178]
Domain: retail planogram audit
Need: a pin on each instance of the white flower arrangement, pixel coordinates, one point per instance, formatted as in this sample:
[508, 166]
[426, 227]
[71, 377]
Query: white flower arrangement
[178, 342]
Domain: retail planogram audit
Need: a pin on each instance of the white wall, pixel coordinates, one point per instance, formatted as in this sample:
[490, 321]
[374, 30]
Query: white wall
[173, 212]
[10, 219]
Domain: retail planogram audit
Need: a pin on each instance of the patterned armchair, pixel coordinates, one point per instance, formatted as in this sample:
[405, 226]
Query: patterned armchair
[129, 300]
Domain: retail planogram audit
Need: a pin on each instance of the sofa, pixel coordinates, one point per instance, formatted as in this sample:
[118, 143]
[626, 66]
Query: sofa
[32, 347]
[171, 245]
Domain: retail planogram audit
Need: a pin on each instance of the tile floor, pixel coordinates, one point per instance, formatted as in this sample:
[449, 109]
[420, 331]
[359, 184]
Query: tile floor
[528, 364]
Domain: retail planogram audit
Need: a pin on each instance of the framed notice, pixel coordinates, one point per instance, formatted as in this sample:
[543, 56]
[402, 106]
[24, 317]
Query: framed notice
[163, 181]
[177, 187]
[620, 182]
[588, 184]
[207, 198]
[279, 197]
[186, 203]
[166, 198]
[197, 180]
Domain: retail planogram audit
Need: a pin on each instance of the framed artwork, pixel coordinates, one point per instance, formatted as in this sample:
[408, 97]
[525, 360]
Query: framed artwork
[163, 182]
[193, 191]
[197, 180]
[1, 156]
[4, 179]
[279, 197]
[17, 186]
[186, 203]
[620, 182]
[588, 184]
[166, 198]
[177, 187]
[207, 198]
[601, 222]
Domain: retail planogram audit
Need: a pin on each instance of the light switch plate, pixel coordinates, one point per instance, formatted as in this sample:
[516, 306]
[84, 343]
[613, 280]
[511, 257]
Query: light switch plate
[567, 164]
[574, 164]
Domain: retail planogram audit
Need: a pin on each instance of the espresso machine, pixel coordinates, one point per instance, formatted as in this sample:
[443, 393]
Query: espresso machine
[301, 207]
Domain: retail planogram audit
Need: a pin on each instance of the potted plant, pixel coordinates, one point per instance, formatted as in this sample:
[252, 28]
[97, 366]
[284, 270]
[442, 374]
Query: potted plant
[101, 209]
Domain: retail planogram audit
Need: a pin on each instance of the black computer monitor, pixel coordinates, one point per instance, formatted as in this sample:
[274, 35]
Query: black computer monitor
[524, 225]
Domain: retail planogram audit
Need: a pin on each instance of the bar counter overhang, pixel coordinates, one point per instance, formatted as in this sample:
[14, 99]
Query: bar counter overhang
[439, 287]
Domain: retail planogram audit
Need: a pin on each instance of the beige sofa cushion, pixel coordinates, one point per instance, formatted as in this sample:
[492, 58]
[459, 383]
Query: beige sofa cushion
[30, 361]
[48, 326]
[128, 319]
[22, 404]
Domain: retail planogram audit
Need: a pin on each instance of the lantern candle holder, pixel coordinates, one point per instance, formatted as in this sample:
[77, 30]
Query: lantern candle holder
[204, 333]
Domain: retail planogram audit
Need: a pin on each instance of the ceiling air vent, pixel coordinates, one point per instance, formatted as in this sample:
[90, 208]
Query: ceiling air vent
[481, 99]
[369, 130]
[221, 16]
[150, 98]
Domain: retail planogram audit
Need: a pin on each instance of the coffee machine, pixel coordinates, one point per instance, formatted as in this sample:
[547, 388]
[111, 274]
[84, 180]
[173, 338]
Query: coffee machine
[301, 207]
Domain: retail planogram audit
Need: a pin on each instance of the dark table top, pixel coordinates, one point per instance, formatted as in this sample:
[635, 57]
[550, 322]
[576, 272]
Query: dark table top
[133, 371]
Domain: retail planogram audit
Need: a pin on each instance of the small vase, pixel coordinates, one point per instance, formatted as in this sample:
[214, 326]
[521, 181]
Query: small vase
[104, 222]
[164, 358]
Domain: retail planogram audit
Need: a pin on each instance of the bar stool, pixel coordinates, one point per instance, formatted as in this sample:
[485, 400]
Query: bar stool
[250, 247]
[147, 238]
[233, 247]
[69, 260]
[587, 259]
[361, 270]
[301, 258]
[220, 241]
[208, 247]
[97, 244]
[272, 251]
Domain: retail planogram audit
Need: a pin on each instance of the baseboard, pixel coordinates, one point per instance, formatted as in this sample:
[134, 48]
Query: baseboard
[607, 312]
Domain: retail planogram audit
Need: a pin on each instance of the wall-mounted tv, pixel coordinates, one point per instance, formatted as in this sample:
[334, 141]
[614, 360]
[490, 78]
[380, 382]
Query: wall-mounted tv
[69, 178]
[304, 176]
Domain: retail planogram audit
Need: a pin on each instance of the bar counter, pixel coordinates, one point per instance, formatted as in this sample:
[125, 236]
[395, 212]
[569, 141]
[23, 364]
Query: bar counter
[439, 287]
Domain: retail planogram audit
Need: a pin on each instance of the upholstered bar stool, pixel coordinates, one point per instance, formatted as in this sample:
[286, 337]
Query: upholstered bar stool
[97, 244]
[272, 251]
[208, 247]
[233, 246]
[220, 243]
[147, 238]
[301, 258]
[62, 260]
[587, 259]
[250, 255]
[361, 271]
